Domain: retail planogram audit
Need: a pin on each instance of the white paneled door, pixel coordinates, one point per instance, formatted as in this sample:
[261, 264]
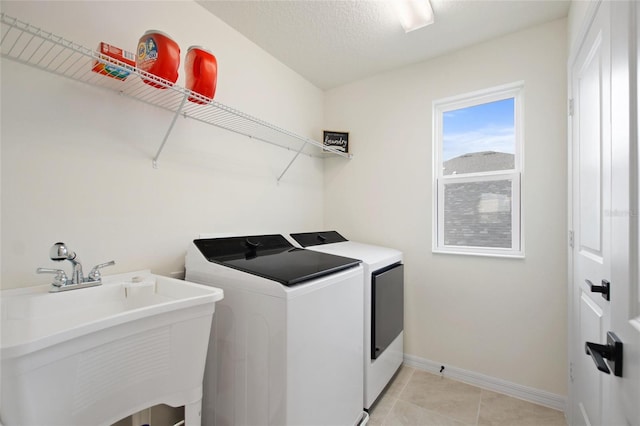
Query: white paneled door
[605, 304]
[591, 200]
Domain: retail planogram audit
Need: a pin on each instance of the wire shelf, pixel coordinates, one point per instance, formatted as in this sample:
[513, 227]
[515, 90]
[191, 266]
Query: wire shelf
[29, 45]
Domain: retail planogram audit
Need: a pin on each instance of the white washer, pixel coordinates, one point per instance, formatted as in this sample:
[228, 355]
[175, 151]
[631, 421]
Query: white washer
[382, 268]
[280, 354]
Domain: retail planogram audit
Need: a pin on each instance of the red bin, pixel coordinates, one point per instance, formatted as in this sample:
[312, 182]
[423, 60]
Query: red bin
[159, 55]
[201, 69]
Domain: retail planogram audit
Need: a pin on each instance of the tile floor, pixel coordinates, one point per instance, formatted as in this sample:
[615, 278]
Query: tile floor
[419, 398]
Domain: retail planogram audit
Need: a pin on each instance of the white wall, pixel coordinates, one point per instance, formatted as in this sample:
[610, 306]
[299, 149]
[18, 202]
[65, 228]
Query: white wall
[76, 161]
[505, 318]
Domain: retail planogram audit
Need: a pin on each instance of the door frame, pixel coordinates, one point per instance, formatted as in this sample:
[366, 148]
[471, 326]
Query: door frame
[622, 405]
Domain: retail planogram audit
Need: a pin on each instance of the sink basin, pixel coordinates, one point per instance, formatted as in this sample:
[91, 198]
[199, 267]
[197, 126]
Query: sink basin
[95, 355]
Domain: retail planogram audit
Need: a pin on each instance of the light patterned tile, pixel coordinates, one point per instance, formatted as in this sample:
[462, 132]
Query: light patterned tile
[408, 414]
[443, 396]
[375, 422]
[501, 410]
[399, 381]
[389, 395]
[381, 409]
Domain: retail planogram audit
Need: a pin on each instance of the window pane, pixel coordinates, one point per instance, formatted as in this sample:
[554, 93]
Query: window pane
[478, 214]
[479, 138]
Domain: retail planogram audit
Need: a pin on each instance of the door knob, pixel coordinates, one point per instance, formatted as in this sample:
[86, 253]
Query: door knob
[612, 352]
[604, 288]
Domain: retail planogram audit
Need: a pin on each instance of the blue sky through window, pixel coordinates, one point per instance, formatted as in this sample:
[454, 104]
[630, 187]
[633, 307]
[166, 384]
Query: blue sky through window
[484, 127]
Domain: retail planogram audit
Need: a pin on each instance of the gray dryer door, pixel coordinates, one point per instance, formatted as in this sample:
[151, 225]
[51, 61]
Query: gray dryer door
[387, 307]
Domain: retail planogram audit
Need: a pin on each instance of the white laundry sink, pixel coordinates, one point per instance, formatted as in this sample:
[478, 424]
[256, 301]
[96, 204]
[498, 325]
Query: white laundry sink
[95, 355]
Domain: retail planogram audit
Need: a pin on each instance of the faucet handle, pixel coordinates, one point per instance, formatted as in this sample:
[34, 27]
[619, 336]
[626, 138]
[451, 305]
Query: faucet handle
[59, 280]
[94, 275]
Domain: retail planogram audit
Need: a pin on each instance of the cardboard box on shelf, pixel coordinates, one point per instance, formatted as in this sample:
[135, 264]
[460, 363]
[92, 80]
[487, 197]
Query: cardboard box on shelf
[107, 51]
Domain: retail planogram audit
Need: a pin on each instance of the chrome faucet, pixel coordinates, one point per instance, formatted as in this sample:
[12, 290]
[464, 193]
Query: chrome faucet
[59, 252]
[61, 282]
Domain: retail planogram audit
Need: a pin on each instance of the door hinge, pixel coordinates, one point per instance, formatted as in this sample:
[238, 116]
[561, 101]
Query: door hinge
[571, 239]
[571, 372]
[570, 107]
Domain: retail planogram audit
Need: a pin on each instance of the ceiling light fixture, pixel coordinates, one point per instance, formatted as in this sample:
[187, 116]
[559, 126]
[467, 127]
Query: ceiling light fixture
[414, 14]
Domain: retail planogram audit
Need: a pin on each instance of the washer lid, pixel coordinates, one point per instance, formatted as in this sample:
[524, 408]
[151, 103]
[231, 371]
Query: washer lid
[272, 257]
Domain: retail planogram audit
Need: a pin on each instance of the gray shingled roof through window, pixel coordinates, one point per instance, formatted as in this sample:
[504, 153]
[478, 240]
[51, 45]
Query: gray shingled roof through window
[475, 162]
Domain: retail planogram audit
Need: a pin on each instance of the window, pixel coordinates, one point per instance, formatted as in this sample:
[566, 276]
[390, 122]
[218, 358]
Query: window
[477, 173]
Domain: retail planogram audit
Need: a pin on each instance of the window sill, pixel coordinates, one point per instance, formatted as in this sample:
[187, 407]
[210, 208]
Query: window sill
[508, 255]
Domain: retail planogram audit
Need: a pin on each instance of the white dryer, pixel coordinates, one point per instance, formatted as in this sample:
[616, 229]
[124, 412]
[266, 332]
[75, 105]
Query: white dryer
[286, 341]
[383, 304]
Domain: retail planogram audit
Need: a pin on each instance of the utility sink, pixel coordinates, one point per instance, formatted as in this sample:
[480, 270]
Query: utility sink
[95, 355]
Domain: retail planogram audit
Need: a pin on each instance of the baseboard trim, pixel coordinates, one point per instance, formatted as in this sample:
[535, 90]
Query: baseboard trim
[526, 393]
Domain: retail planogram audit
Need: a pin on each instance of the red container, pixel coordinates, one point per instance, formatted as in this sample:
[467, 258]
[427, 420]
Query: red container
[159, 55]
[201, 69]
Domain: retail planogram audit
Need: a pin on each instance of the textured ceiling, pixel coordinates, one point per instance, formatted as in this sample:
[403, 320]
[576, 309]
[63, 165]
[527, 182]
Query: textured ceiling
[332, 43]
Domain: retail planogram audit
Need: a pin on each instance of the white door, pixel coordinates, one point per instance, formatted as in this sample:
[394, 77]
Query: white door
[590, 75]
[603, 204]
[622, 406]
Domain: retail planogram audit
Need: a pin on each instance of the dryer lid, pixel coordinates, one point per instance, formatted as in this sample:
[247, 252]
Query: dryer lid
[307, 239]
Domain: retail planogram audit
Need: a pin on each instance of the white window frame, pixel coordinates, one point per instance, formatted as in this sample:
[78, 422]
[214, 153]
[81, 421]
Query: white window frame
[440, 107]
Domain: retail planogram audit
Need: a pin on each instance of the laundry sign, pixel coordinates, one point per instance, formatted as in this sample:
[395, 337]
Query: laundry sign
[337, 140]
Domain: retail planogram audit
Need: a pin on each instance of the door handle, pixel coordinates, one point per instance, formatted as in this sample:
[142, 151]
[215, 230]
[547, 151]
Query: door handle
[612, 352]
[604, 288]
